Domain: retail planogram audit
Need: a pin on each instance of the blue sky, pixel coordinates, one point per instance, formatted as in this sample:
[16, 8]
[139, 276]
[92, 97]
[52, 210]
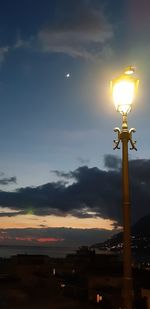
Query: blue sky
[52, 123]
[48, 121]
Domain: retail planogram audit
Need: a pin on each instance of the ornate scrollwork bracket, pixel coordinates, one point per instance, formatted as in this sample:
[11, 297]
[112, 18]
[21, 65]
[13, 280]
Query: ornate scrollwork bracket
[117, 141]
[120, 137]
[133, 143]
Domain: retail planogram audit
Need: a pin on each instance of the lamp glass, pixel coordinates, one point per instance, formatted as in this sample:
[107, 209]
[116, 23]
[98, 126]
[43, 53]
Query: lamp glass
[123, 95]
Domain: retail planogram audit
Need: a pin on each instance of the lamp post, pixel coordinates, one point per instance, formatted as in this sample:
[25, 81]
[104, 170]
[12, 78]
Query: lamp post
[123, 91]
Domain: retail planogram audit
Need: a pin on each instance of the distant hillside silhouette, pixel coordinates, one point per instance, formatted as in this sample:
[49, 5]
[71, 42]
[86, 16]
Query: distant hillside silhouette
[142, 227]
[140, 237]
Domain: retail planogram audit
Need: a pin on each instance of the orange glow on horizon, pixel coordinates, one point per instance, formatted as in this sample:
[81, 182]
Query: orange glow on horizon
[48, 239]
[22, 238]
[33, 221]
[31, 239]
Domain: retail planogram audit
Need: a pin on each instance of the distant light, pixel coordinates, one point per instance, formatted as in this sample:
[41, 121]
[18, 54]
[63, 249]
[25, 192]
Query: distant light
[62, 285]
[68, 75]
[99, 298]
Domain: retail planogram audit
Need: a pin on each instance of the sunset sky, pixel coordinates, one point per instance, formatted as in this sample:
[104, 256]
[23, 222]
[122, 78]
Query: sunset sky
[60, 180]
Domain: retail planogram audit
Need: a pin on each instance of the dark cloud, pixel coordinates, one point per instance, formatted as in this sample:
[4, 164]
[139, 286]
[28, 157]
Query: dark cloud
[11, 213]
[79, 29]
[140, 169]
[92, 189]
[61, 174]
[93, 193]
[7, 181]
[112, 162]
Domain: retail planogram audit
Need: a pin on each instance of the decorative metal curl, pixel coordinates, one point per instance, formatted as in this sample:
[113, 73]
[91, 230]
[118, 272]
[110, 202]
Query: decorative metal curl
[119, 137]
[117, 141]
[133, 143]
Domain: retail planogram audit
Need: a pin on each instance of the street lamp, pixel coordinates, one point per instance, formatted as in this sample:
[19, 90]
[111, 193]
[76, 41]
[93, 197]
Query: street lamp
[124, 89]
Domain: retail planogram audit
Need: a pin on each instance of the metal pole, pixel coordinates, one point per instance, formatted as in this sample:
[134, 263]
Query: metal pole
[125, 136]
[127, 262]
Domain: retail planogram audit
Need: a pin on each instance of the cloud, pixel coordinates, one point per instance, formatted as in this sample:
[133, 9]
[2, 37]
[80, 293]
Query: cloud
[79, 29]
[112, 162]
[140, 169]
[93, 193]
[83, 161]
[61, 174]
[20, 43]
[8, 212]
[92, 189]
[11, 213]
[7, 181]
[3, 53]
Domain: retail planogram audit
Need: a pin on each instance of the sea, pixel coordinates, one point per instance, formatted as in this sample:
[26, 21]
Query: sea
[8, 251]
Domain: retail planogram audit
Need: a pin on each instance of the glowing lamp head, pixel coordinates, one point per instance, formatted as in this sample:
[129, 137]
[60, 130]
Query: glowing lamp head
[123, 91]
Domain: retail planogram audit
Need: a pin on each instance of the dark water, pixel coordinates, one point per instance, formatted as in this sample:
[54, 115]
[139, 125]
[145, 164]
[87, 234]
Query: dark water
[8, 251]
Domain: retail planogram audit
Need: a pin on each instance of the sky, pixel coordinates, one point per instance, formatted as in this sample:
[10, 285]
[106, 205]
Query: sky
[60, 179]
